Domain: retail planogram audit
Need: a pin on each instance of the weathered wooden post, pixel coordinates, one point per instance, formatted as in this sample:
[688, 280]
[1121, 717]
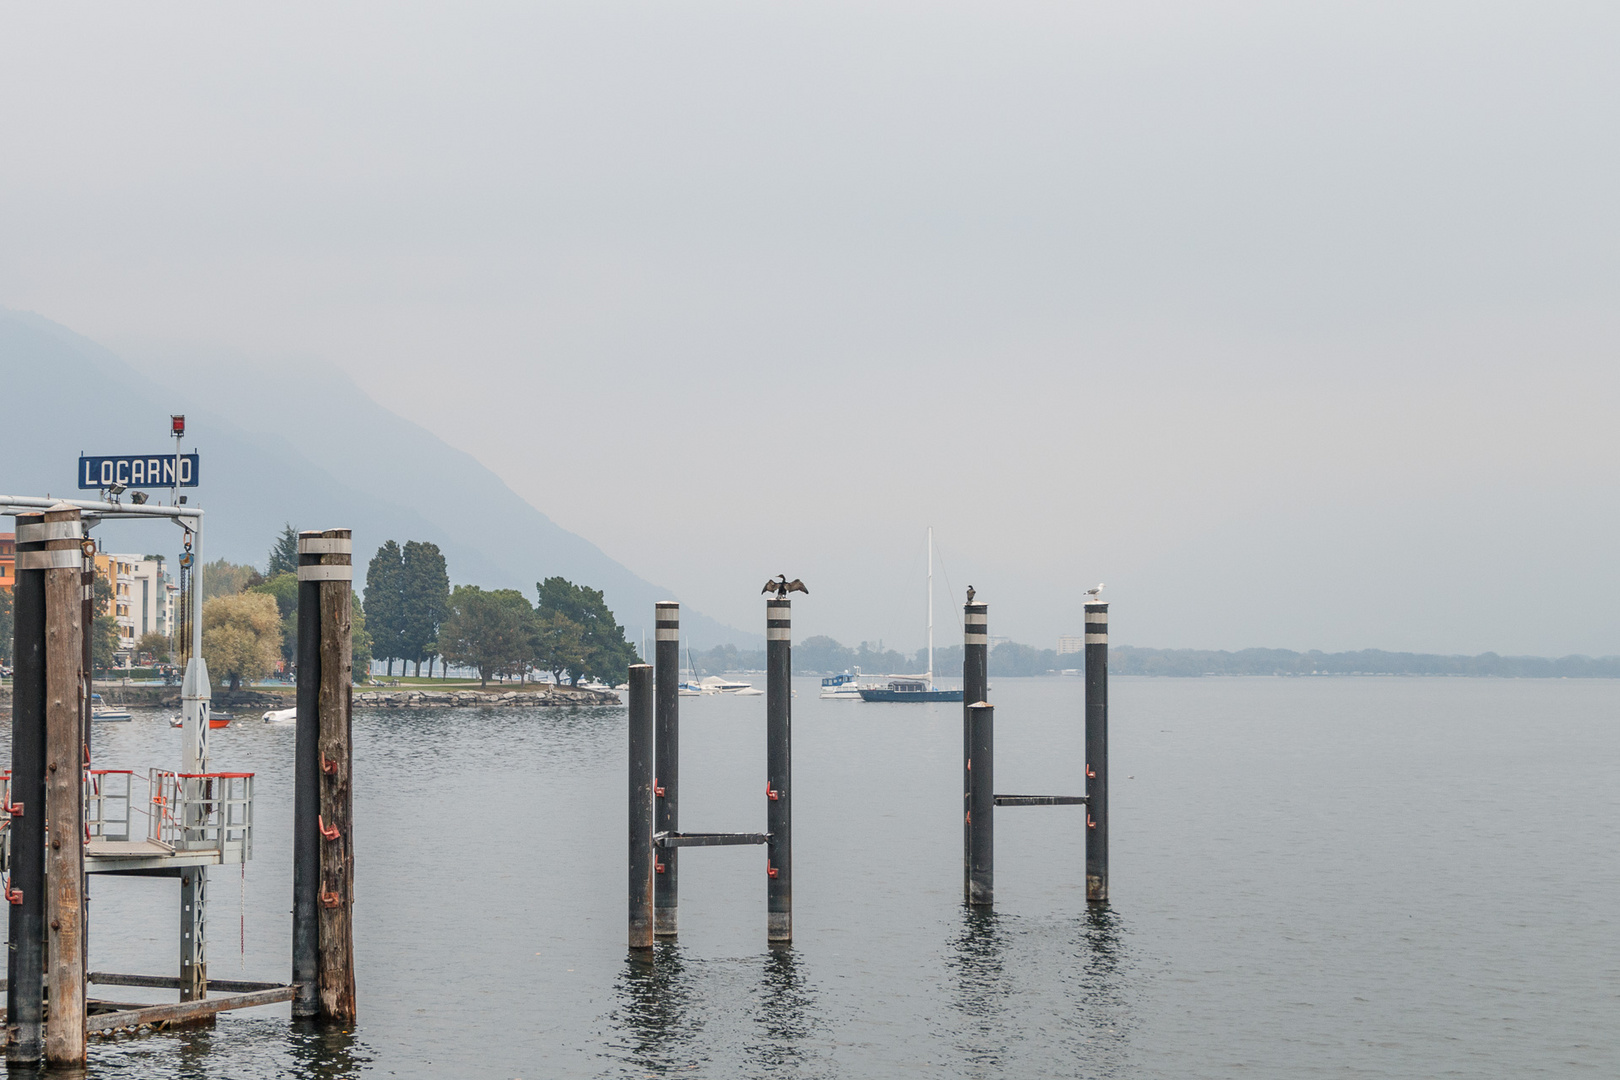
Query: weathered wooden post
[641, 806]
[62, 559]
[779, 770]
[25, 890]
[981, 804]
[975, 688]
[1097, 751]
[667, 767]
[323, 812]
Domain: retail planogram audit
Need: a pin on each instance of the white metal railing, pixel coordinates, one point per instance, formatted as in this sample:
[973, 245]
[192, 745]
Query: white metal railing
[182, 811]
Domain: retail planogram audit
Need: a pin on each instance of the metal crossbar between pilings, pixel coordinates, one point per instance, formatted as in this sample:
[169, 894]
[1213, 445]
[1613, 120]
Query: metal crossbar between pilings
[709, 839]
[1040, 800]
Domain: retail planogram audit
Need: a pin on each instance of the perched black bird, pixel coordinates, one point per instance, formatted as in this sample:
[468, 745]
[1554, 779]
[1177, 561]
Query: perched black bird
[970, 594]
[784, 586]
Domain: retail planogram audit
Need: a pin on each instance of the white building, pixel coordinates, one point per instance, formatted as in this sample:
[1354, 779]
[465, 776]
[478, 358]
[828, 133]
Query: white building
[143, 599]
[1071, 643]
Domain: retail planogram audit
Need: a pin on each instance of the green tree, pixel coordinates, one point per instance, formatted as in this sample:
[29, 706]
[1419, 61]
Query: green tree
[157, 645]
[284, 588]
[385, 603]
[221, 578]
[359, 641]
[424, 598]
[606, 653]
[7, 624]
[241, 636]
[104, 628]
[559, 644]
[491, 631]
[283, 554]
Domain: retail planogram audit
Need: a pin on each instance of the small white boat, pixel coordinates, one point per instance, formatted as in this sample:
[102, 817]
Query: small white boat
[750, 692]
[714, 684]
[842, 687]
[281, 716]
[102, 713]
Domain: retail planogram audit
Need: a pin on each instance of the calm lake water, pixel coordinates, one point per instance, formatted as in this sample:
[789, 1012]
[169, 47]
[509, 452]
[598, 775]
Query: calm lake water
[1312, 878]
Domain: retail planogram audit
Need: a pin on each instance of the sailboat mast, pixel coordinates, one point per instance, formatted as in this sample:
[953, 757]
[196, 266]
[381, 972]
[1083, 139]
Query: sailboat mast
[930, 607]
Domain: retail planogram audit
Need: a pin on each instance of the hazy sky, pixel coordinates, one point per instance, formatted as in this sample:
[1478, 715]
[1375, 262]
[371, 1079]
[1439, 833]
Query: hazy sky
[1295, 323]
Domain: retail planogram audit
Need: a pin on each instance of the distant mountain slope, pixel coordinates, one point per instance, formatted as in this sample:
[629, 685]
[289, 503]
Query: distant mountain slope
[302, 445]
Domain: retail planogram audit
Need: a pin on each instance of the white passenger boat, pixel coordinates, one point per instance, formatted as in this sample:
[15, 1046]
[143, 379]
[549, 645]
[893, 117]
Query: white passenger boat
[842, 687]
[103, 713]
[281, 716]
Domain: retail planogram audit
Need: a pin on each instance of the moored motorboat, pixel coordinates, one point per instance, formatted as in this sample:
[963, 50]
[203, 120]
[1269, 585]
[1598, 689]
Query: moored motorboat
[842, 687]
[909, 688]
[281, 716]
[102, 713]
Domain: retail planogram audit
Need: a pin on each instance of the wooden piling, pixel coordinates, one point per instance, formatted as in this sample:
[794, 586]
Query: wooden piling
[641, 851]
[975, 688]
[778, 770]
[25, 888]
[667, 764]
[326, 559]
[65, 1036]
[1097, 751]
[982, 804]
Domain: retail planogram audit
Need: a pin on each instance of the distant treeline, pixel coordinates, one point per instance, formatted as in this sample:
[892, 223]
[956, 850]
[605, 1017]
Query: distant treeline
[824, 656]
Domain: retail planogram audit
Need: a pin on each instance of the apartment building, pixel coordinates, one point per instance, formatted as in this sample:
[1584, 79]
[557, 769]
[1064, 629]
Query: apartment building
[8, 561]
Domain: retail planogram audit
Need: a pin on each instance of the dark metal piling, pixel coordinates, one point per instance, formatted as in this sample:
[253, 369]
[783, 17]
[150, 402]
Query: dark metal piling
[778, 770]
[667, 763]
[307, 801]
[975, 688]
[1097, 751]
[25, 889]
[641, 806]
[982, 804]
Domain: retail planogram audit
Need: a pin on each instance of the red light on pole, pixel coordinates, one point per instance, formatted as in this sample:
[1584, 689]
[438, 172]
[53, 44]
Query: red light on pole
[177, 426]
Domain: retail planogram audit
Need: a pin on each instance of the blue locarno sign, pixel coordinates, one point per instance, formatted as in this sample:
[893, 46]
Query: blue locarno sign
[154, 471]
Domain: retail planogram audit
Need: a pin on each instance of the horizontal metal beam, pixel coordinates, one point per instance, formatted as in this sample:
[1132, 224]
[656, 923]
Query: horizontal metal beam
[708, 839]
[107, 978]
[150, 1015]
[1040, 800]
[27, 503]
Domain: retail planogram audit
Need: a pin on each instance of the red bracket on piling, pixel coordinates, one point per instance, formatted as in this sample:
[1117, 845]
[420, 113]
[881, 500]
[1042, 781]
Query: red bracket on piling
[329, 767]
[330, 834]
[15, 809]
[1089, 773]
[330, 899]
[770, 871]
[658, 789]
[658, 867]
[14, 895]
[772, 795]
[1089, 823]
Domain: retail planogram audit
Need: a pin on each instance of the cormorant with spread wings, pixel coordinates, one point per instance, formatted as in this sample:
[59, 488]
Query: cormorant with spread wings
[783, 586]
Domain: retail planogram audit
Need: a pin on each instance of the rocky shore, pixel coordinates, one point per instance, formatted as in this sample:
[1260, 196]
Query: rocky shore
[550, 697]
[168, 697]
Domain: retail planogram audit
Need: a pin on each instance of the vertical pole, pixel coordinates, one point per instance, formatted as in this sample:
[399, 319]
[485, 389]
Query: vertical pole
[641, 806]
[87, 623]
[667, 765]
[65, 1035]
[306, 792]
[1097, 752]
[975, 688]
[25, 957]
[982, 804]
[196, 702]
[335, 817]
[778, 770]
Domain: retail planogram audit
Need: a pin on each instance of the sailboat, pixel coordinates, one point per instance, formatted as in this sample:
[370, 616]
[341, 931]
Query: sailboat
[916, 687]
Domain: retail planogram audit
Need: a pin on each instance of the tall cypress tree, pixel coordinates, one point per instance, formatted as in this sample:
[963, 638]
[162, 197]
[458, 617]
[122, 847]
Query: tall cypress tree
[425, 598]
[385, 603]
[284, 553]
